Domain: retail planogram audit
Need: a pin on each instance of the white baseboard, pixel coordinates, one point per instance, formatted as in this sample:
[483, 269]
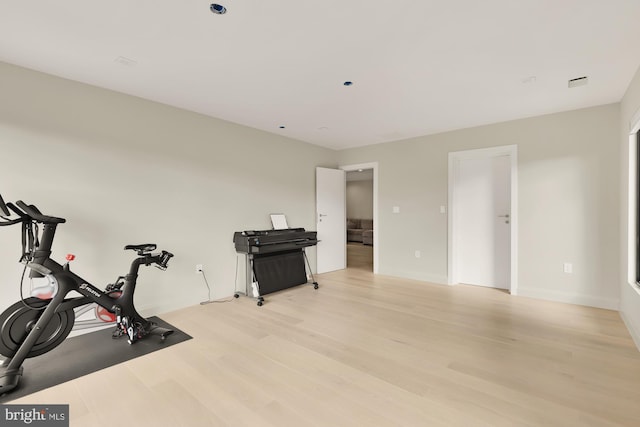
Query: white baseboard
[633, 331]
[439, 280]
[571, 298]
[422, 277]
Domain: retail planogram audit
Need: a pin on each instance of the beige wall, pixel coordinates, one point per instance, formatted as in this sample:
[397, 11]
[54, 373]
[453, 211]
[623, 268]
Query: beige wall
[360, 199]
[123, 170]
[629, 293]
[568, 197]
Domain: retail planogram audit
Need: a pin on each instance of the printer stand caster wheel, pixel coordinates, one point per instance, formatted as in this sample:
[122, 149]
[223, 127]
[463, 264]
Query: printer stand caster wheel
[236, 295]
[260, 302]
[315, 285]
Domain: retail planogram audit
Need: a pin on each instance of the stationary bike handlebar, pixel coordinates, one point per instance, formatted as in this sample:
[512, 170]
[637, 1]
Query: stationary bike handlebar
[25, 213]
[5, 212]
[28, 213]
[3, 208]
[36, 215]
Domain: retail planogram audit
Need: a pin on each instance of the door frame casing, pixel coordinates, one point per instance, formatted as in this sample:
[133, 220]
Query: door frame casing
[454, 161]
[376, 246]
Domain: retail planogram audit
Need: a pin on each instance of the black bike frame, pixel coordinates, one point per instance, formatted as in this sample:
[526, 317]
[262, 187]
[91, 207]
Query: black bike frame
[73, 282]
[117, 298]
[68, 282]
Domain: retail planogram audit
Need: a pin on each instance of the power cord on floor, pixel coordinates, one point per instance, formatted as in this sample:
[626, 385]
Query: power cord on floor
[209, 301]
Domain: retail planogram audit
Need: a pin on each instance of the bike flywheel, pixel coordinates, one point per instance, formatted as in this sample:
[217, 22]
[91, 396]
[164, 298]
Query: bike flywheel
[18, 320]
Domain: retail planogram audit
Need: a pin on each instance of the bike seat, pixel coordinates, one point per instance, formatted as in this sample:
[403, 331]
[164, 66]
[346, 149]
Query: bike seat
[142, 249]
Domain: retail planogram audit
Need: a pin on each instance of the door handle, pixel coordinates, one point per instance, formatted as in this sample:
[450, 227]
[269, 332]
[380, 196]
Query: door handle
[503, 216]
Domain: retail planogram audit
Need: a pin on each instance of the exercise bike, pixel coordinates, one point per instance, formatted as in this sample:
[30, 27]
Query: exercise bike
[36, 325]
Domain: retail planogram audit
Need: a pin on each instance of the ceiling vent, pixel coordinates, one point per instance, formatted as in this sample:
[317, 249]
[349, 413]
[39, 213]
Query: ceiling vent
[125, 61]
[578, 81]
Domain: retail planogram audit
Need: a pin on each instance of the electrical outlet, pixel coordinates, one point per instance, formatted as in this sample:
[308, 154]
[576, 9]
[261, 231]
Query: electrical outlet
[418, 254]
[567, 267]
[198, 268]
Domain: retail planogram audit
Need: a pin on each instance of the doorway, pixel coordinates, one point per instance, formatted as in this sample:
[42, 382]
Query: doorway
[329, 196]
[483, 217]
[359, 197]
[374, 247]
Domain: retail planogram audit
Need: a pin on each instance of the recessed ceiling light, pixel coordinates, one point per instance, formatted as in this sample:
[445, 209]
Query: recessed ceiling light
[218, 9]
[282, 127]
[360, 170]
[323, 128]
[578, 81]
[529, 80]
[348, 83]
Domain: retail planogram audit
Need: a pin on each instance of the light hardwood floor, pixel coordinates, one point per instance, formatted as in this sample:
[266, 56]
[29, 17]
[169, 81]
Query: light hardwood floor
[360, 256]
[367, 350]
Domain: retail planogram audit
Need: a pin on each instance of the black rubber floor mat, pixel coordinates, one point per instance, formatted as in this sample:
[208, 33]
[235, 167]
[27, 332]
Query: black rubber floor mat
[84, 354]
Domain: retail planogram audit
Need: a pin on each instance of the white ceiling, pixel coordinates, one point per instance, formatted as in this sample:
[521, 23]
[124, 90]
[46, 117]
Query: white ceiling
[418, 66]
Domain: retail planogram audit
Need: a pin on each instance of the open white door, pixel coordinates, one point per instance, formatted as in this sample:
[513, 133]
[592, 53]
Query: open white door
[331, 220]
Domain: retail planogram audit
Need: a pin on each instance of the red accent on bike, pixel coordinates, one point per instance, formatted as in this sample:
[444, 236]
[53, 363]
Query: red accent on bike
[70, 257]
[104, 315]
[45, 296]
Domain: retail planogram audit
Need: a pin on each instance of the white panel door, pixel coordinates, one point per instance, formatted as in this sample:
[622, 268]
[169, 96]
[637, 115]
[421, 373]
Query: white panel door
[331, 220]
[482, 220]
